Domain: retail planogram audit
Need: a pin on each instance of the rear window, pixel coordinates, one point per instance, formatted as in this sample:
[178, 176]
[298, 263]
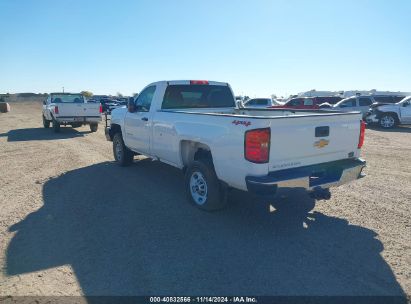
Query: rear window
[383, 99]
[398, 98]
[258, 102]
[365, 102]
[67, 98]
[197, 96]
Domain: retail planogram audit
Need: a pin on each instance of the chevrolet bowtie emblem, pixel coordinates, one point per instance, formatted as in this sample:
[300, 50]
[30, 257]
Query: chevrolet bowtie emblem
[321, 143]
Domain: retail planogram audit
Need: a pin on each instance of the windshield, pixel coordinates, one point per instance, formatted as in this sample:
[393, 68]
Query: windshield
[67, 98]
[197, 96]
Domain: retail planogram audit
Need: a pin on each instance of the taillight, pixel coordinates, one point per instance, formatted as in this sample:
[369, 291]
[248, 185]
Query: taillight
[101, 109]
[257, 145]
[198, 82]
[56, 109]
[362, 134]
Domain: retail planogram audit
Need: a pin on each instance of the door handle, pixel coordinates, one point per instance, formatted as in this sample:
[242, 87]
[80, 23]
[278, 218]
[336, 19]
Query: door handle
[144, 119]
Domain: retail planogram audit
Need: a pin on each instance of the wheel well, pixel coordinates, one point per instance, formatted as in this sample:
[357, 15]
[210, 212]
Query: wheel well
[113, 130]
[191, 150]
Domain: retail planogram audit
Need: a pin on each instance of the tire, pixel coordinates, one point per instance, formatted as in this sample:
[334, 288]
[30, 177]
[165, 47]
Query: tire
[56, 126]
[123, 155]
[93, 127]
[46, 123]
[388, 121]
[203, 188]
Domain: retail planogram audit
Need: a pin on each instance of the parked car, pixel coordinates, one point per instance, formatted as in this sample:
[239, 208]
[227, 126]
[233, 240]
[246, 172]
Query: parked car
[70, 109]
[355, 103]
[259, 103]
[116, 104]
[310, 102]
[195, 126]
[107, 104]
[389, 116]
[299, 103]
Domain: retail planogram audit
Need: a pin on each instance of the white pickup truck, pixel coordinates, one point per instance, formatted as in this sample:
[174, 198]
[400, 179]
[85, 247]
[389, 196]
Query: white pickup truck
[390, 115]
[195, 126]
[70, 109]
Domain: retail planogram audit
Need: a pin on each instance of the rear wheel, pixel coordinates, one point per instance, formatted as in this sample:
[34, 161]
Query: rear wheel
[93, 127]
[388, 121]
[56, 126]
[123, 155]
[203, 188]
[46, 123]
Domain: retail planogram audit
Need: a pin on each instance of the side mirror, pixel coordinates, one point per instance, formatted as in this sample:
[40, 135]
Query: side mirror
[131, 106]
[406, 104]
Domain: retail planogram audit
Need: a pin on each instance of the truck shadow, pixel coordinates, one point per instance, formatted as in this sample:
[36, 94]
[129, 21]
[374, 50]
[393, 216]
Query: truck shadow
[40, 134]
[130, 231]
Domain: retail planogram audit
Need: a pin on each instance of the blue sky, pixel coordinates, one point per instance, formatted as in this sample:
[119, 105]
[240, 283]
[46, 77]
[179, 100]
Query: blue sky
[259, 47]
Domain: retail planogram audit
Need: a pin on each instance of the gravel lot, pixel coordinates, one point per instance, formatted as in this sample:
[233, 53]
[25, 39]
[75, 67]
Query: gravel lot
[74, 223]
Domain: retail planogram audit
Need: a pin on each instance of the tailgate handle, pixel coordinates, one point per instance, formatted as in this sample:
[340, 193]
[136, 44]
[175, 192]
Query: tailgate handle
[322, 131]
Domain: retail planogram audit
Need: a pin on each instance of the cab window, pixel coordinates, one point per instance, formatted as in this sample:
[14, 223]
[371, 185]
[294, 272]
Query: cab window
[348, 103]
[143, 102]
[308, 102]
[295, 102]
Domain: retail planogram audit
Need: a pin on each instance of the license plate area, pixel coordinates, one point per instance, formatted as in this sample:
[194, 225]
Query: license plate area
[79, 118]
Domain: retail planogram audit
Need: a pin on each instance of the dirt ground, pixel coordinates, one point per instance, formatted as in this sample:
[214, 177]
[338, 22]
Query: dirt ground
[74, 223]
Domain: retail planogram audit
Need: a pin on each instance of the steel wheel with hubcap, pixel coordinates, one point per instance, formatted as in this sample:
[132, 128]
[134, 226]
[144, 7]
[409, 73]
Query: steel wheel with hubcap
[203, 188]
[198, 187]
[387, 121]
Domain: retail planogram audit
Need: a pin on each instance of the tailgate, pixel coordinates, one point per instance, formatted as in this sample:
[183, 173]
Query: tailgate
[307, 140]
[79, 109]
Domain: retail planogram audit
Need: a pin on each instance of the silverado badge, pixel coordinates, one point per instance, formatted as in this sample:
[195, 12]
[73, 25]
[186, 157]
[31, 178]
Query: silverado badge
[321, 143]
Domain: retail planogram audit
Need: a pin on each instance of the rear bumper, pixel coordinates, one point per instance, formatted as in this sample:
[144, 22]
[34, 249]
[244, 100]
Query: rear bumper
[312, 177]
[78, 119]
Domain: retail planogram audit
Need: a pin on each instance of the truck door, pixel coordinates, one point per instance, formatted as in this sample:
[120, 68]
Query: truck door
[137, 125]
[405, 110]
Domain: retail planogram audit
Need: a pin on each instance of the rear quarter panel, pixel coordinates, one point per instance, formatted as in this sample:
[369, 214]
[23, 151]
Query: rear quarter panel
[224, 135]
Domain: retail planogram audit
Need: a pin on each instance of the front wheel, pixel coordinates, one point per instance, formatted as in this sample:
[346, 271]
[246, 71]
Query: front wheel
[203, 187]
[46, 123]
[123, 155]
[93, 127]
[388, 121]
